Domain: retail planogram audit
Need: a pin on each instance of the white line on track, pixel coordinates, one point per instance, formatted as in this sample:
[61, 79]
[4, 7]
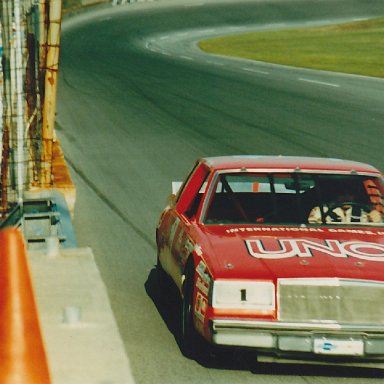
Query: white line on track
[276, 25]
[207, 31]
[319, 82]
[194, 5]
[255, 71]
[151, 48]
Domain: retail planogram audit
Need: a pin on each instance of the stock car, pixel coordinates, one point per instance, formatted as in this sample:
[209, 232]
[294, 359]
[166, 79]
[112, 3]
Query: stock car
[283, 256]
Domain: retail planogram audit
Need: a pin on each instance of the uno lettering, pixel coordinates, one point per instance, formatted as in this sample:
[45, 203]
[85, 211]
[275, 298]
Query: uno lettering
[286, 248]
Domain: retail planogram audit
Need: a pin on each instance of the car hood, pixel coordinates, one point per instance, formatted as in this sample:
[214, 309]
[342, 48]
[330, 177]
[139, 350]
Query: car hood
[294, 252]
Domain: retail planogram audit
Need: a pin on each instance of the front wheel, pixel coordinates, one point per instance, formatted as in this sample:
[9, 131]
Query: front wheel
[187, 327]
[194, 345]
[192, 341]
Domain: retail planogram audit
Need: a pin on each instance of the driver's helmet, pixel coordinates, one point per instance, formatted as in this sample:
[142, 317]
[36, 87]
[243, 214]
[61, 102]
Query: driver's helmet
[347, 190]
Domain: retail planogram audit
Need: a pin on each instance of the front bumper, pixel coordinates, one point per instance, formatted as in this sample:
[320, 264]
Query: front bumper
[318, 340]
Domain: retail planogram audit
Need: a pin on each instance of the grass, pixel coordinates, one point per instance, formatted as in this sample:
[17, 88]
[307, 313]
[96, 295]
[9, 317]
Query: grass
[356, 47]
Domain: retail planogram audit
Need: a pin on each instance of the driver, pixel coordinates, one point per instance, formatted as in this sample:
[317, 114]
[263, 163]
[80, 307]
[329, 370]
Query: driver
[345, 211]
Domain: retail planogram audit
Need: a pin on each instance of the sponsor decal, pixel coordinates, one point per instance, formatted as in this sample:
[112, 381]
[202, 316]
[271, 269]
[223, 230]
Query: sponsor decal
[273, 229]
[198, 250]
[201, 306]
[202, 291]
[287, 248]
[303, 229]
[202, 286]
[201, 271]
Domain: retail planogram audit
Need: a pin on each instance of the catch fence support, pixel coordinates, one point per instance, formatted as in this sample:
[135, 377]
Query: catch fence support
[51, 75]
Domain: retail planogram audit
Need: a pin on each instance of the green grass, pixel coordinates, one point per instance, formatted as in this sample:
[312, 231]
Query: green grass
[356, 47]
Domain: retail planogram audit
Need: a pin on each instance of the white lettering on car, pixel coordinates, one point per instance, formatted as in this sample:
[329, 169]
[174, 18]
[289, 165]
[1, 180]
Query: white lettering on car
[201, 305]
[286, 248]
[202, 286]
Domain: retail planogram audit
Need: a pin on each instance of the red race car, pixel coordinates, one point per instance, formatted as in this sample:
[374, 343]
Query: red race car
[283, 255]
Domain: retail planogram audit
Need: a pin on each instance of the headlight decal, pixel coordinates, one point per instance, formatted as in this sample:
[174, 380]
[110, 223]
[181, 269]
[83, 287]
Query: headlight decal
[242, 294]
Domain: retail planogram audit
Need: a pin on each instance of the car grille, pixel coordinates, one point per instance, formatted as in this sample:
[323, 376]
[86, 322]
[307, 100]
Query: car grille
[331, 301]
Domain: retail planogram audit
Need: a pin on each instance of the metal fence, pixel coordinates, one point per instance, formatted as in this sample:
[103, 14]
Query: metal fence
[30, 32]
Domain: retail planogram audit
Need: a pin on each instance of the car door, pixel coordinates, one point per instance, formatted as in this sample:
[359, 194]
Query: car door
[177, 242]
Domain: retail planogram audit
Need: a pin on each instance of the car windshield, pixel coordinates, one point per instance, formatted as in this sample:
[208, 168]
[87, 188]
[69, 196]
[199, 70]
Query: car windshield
[295, 198]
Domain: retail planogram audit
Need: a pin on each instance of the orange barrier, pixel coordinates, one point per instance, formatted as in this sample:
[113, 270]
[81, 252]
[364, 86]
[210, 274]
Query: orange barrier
[22, 354]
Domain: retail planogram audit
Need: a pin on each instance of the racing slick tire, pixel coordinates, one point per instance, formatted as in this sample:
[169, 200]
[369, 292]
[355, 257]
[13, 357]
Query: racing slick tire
[193, 345]
[192, 342]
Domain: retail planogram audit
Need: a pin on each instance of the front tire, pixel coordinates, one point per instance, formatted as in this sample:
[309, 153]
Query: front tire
[194, 345]
[191, 340]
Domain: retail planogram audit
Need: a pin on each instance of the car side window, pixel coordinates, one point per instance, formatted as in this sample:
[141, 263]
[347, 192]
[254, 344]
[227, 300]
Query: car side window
[192, 191]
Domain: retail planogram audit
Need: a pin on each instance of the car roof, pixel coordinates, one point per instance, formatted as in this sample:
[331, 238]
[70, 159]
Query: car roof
[287, 163]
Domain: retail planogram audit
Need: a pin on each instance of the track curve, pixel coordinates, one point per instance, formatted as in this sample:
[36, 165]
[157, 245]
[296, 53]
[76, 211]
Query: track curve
[136, 109]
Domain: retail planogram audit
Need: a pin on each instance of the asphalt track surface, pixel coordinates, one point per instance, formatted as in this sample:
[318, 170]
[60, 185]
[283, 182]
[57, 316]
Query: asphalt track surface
[138, 103]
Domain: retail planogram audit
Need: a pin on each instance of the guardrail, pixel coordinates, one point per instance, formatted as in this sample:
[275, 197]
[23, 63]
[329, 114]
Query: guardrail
[13, 217]
[37, 218]
[22, 353]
